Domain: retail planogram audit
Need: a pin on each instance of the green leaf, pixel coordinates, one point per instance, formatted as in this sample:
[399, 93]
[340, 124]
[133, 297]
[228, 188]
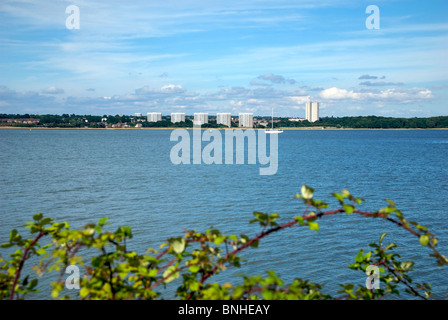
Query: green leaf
[254, 244]
[84, 292]
[339, 197]
[406, 265]
[424, 240]
[152, 273]
[421, 228]
[382, 236]
[25, 281]
[313, 226]
[178, 245]
[348, 208]
[127, 231]
[390, 209]
[194, 286]
[46, 221]
[37, 216]
[12, 234]
[33, 284]
[219, 240]
[359, 257]
[102, 221]
[194, 268]
[170, 274]
[390, 202]
[107, 288]
[299, 220]
[390, 246]
[307, 192]
[367, 256]
[55, 293]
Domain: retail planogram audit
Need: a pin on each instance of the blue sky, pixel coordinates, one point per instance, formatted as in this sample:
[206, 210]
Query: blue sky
[224, 56]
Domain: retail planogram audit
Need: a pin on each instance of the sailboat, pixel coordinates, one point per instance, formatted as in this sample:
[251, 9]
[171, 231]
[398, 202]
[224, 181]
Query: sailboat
[273, 130]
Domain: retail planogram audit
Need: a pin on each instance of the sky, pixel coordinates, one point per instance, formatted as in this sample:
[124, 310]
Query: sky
[232, 56]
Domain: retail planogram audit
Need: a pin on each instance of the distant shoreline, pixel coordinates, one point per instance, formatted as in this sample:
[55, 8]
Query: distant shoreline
[173, 128]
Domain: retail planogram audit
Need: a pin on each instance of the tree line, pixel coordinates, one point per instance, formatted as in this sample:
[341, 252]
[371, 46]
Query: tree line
[371, 122]
[359, 122]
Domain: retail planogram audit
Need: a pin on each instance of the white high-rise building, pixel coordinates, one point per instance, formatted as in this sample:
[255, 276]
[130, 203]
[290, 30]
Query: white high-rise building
[154, 116]
[224, 118]
[312, 111]
[315, 112]
[246, 120]
[177, 117]
[200, 118]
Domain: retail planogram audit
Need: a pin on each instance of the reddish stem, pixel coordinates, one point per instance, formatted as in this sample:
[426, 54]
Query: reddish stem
[22, 262]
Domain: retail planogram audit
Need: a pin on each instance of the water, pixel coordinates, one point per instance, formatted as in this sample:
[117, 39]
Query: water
[79, 176]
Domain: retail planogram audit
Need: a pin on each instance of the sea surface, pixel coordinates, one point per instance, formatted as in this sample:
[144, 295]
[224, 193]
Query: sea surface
[79, 176]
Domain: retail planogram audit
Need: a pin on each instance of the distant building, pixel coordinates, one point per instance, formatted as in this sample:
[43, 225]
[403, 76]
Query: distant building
[297, 119]
[177, 117]
[20, 121]
[224, 118]
[246, 120]
[154, 116]
[312, 111]
[138, 114]
[200, 118]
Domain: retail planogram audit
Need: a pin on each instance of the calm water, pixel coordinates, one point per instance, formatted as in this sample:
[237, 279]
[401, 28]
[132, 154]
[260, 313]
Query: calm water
[81, 175]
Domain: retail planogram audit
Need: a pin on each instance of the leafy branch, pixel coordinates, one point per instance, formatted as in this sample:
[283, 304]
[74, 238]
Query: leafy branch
[116, 273]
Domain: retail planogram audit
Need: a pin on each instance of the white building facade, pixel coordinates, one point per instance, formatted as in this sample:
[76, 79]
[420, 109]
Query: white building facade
[177, 117]
[154, 116]
[246, 120]
[200, 118]
[224, 118]
[312, 111]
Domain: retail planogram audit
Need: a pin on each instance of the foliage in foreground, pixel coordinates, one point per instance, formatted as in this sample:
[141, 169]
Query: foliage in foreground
[113, 272]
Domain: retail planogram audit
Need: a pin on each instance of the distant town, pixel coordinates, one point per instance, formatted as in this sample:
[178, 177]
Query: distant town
[220, 120]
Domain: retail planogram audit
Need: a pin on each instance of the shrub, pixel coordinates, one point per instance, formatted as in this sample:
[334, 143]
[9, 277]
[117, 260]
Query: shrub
[113, 272]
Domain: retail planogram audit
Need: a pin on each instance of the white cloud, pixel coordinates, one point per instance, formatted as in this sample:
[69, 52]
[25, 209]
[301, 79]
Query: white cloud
[53, 90]
[171, 88]
[164, 90]
[253, 101]
[338, 94]
[236, 103]
[401, 95]
[300, 99]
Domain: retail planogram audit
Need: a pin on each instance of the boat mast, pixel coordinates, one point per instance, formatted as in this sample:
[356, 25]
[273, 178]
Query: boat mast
[272, 118]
